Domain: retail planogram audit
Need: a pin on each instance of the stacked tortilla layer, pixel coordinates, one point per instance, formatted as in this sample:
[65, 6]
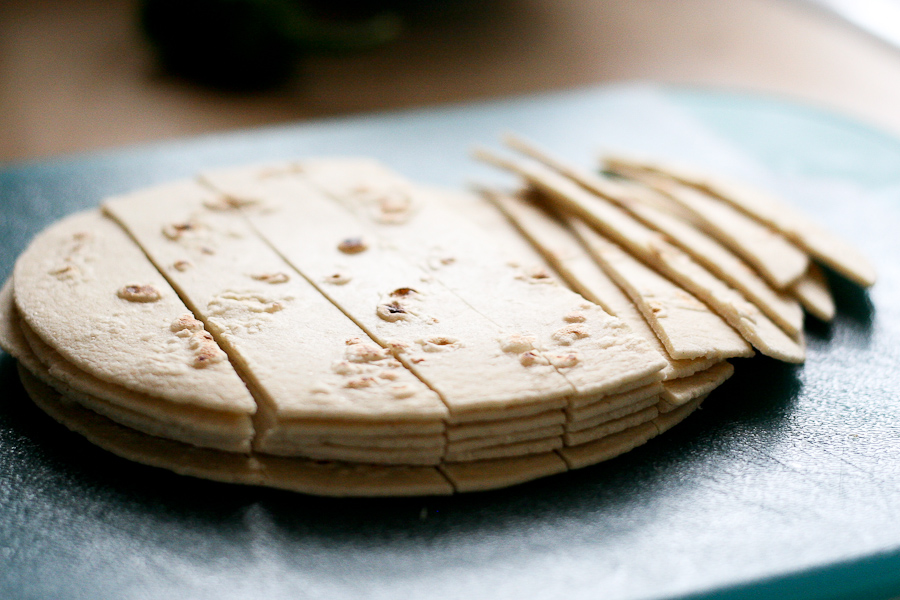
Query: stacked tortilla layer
[328, 327]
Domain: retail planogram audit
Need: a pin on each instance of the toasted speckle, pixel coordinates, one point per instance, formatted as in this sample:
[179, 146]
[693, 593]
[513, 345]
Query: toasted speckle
[175, 231]
[565, 361]
[389, 375]
[353, 245]
[517, 343]
[402, 391]
[186, 323]
[392, 312]
[139, 293]
[439, 344]
[181, 265]
[337, 278]
[273, 278]
[403, 292]
[360, 382]
[531, 357]
[365, 352]
[568, 334]
[66, 272]
[575, 317]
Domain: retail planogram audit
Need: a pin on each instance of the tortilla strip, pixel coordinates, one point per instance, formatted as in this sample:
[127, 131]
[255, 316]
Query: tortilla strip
[294, 474]
[613, 415]
[680, 392]
[822, 245]
[502, 472]
[614, 402]
[488, 428]
[504, 439]
[773, 256]
[506, 451]
[606, 428]
[609, 446]
[812, 290]
[89, 292]
[666, 421]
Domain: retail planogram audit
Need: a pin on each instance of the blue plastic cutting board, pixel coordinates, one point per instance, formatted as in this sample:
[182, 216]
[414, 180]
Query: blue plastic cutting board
[785, 485]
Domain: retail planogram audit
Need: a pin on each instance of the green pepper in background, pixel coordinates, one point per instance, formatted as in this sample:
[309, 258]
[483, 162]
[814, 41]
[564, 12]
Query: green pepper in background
[255, 44]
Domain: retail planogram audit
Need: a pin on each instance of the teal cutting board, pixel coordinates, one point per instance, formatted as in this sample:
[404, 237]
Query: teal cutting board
[785, 485]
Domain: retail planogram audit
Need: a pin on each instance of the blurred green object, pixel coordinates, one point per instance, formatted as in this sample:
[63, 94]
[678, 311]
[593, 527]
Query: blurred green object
[255, 44]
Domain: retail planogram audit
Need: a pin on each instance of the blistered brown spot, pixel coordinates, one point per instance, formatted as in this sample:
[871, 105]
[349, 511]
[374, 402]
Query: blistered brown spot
[360, 382]
[273, 278]
[439, 343]
[517, 343]
[389, 375]
[337, 278]
[207, 250]
[568, 334]
[402, 391]
[565, 361]
[403, 292]
[182, 265]
[391, 312]
[353, 245]
[139, 293]
[365, 352]
[531, 357]
[65, 272]
[575, 317]
[207, 354]
[186, 323]
[174, 231]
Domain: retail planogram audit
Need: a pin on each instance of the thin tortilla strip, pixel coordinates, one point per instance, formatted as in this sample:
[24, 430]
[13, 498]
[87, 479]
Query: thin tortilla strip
[506, 450]
[639, 201]
[774, 257]
[505, 439]
[614, 415]
[614, 402]
[573, 262]
[608, 447]
[502, 472]
[821, 244]
[666, 421]
[607, 428]
[89, 292]
[488, 428]
[812, 290]
[680, 392]
[298, 475]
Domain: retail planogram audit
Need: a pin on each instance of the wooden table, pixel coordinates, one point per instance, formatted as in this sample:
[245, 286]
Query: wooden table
[76, 76]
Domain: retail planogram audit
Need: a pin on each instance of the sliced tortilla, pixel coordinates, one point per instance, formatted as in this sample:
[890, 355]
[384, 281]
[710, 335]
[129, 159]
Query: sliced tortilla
[564, 326]
[668, 420]
[432, 331]
[502, 472]
[259, 308]
[537, 433]
[573, 262]
[505, 450]
[608, 447]
[613, 415]
[822, 245]
[773, 256]
[614, 402]
[89, 292]
[294, 474]
[679, 392]
[487, 428]
[813, 292]
[575, 438]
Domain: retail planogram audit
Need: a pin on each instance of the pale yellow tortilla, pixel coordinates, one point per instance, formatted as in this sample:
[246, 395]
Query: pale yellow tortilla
[67, 288]
[505, 450]
[589, 422]
[537, 433]
[487, 428]
[608, 447]
[576, 438]
[679, 392]
[614, 402]
[294, 474]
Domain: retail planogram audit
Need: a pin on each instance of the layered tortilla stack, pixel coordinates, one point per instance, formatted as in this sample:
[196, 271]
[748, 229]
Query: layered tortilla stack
[327, 326]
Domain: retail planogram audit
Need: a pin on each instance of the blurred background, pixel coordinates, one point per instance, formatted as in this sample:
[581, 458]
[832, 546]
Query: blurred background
[79, 75]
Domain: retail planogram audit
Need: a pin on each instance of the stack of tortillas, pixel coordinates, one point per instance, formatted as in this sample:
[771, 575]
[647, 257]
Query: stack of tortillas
[328, 327]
